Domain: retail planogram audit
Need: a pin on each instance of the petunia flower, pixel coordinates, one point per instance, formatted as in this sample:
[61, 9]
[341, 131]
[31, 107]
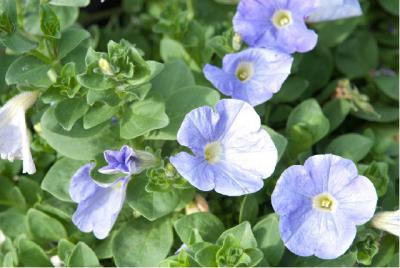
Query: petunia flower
[327, 10]
[276, 24]
[320, 204]
[14, 138]
[98, 204]
[231, 153]
[252, 75]
[127, 161]
[388, 221]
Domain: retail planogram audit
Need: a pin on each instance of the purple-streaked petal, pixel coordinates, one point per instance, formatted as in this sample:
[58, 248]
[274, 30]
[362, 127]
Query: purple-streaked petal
[357, 200]
[221, 80]
[195, 170]
[325, 235]
[335, 9]
[82, 185]
[198, 128]
[98, 212]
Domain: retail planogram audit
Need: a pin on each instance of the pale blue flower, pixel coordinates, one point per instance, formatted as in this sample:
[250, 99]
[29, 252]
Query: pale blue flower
[231, 152]
[126, 161]
[252, 75]
[327, 10]
[276, 24]
[98, 204]
[320, 204]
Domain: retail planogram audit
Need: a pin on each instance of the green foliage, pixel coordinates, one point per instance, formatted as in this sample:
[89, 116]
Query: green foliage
[114, 74]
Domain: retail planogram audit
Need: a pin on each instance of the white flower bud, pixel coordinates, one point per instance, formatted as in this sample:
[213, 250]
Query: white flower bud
[56, 261]
[388, 221]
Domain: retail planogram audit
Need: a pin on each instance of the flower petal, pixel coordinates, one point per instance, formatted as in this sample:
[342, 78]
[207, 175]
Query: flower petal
[99, 211]
[221, 80]
[195, 170]
[358, 200]
[335, 9]
[82, 185]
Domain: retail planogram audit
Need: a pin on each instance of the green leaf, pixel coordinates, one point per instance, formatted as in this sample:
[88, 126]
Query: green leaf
[27, 70]
[268, 239]
[82, 256]
[13, 223]
[377, 172]
[58, 178]
[143, 243]
[352, 146]
[391, 6]
[206, 257]
[310, 67]
[173, 77]
[30, 190]
[336, 111]
[78, 143]
[72, 3]
[291, 90]
[142, 117]
[242, 233]
[206, 224]
[171, 50]
[70, 39]
[31, 255]
[10, 195]
[248, 208]
[43, 227]
[356, 56]
[387, 113]
[97, 114]
[68, 111]
[64, 249]
[49, 23]
[306, 125]
[17, 42]
[389, 85]
[279, 140]
[332, 33]
[179, 104]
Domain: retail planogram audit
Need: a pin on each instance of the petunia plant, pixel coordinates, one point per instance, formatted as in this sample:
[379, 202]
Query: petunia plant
[199, 133]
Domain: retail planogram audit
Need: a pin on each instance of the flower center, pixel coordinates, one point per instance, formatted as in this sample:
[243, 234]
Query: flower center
[244, 71]
[324, 202]
[213, 152]
[282, 18]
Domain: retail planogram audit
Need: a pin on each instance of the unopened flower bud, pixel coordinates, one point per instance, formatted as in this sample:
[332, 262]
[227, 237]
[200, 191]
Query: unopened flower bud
[105, 67]
[388, 221]
[56, 261]
[237, 42]
[199, 205]
[52, 75]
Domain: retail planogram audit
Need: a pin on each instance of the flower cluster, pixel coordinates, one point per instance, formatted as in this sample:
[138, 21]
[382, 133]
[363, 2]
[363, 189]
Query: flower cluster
[99, 204]
[272, 30]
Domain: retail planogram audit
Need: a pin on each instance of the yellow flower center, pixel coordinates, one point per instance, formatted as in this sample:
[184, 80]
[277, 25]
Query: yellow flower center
[213, 152]
[324, 202]
[244, 71]
[282, 18]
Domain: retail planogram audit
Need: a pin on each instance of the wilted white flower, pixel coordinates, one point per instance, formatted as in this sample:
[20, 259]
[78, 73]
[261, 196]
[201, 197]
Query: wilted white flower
[14, 138]
[388, 221]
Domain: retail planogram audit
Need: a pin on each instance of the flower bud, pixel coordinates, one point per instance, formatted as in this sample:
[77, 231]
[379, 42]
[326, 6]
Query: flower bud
[105, 67]
[388, 221]
[237, 42]
[56, 261]
[199, 205]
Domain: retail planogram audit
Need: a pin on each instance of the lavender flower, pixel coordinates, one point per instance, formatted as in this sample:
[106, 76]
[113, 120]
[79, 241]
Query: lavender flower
[327, 10]
[232, 154]
[252, 75]
[276, 24]
[320, 204]
[98, 204]
[126, 161]
[14, 138]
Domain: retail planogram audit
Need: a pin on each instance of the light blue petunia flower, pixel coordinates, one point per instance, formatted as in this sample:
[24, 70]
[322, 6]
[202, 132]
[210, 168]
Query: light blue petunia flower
[232, 154]
[252, 75]
[320, 204]
[335, 9]
[127, 161]
[98, 204]
[276, 24]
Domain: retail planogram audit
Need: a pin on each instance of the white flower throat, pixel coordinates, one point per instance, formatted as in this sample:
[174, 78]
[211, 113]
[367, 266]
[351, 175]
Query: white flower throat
[244, 71]
[282, 18]
[213, 152]
[324, 202]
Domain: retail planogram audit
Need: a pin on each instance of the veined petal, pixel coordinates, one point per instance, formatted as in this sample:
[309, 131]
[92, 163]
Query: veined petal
[195, 170]
[82, 185]
[335, 9]
[223, 81]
